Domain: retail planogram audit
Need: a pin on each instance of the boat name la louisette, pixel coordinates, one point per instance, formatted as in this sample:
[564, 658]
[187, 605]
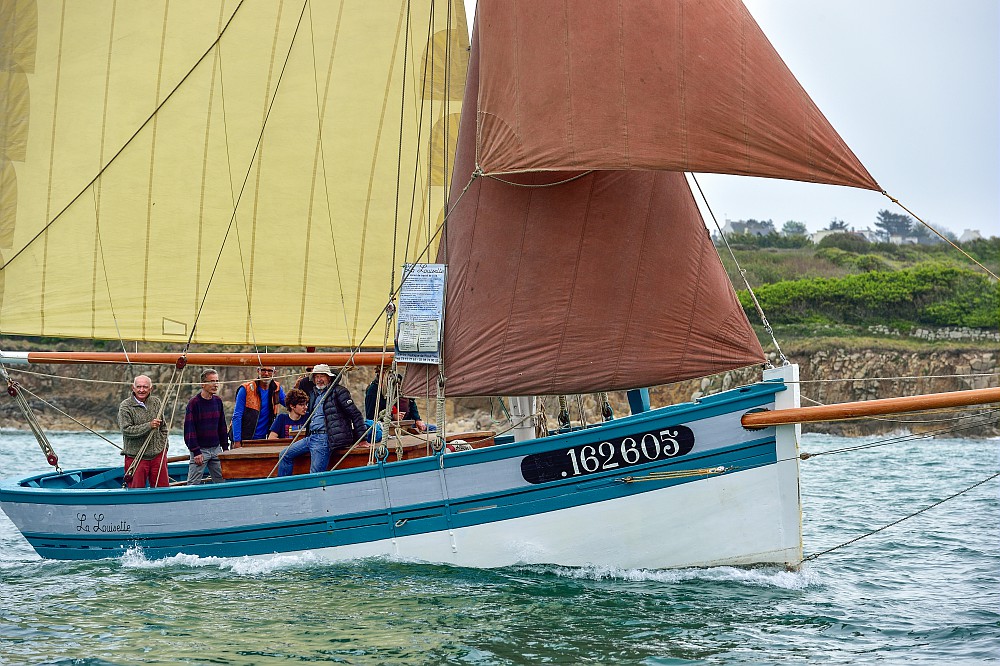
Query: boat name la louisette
[99, 524]
[607, 455]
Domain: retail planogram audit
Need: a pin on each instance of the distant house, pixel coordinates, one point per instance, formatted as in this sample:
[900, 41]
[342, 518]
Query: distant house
[970, 235]
[870, 235]
[752, 227]
[864, 234]
[823, 233]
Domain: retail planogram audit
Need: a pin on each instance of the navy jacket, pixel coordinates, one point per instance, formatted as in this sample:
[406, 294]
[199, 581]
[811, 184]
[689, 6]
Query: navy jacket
[344, 422]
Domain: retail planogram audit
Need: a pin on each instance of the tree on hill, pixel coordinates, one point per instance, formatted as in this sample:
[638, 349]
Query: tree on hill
[793, 228]
[837, 225]
[894, 224]
[923, 234]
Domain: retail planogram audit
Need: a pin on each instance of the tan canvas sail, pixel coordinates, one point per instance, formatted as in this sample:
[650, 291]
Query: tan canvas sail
[132, 131]
[647, 84]
[609, 281]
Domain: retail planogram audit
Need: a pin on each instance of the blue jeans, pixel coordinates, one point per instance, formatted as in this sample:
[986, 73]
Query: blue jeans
[315, 446]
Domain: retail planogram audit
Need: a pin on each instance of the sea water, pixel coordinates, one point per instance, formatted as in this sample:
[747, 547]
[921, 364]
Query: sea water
[924, 591]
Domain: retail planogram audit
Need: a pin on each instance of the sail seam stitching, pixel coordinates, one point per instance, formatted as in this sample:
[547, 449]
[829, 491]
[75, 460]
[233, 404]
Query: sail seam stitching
[556, 374]
[635, 281]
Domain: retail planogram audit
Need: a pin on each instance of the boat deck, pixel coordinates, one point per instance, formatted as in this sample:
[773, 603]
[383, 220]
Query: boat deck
[258, 459]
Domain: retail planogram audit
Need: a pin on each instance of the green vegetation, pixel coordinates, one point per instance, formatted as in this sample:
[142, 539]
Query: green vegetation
[844, 285]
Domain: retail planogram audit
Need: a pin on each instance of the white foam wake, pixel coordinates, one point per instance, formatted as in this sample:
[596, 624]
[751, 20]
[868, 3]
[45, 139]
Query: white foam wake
[135, 558]
[756, 577]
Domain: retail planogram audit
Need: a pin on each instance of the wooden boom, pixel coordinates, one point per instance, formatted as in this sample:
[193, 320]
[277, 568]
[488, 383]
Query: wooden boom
[246, 359]
[854, 410]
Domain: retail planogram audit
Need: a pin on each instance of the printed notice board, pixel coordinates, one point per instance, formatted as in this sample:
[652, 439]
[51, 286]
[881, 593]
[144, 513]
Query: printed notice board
[420, 319]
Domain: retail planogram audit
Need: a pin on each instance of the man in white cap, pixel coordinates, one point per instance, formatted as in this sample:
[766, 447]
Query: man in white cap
[335, 423]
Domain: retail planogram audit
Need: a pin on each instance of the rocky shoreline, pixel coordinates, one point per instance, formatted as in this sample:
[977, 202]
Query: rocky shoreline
[91, 393]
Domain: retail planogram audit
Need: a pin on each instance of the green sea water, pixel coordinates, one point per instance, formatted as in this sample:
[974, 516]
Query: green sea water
[926, 591]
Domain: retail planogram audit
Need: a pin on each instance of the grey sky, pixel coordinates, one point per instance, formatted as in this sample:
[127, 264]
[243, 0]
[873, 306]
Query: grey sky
[912, 86]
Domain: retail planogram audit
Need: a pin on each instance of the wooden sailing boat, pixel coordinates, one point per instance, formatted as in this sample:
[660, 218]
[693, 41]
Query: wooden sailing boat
[577, 262]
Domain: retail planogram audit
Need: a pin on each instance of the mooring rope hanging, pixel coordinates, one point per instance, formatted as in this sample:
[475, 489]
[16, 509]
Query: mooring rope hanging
[14, 391]
[675, 474]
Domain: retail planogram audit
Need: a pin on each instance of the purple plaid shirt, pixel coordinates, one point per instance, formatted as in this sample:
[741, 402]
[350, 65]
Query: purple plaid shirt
[204, 424]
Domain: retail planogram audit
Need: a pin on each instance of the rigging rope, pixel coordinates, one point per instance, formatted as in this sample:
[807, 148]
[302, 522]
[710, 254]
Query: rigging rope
[896, 522]
[237, 382]
[53, 407]
[107, 281]
[29, 416]
[561, 182]
[246, 178]
[893, 379]
[909, 437]
[939, 235]
[135, 134]
[743, 274]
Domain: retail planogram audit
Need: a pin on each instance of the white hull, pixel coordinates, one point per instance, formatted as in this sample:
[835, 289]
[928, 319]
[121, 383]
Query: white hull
[736, 519]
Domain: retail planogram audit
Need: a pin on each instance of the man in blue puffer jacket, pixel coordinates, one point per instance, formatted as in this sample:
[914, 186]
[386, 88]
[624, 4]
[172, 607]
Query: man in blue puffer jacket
[335, 423]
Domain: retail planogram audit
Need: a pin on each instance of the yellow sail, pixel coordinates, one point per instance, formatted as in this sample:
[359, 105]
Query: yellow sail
[249, 171]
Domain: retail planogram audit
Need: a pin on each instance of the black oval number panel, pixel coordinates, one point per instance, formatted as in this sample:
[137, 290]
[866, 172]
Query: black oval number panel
[607, 455]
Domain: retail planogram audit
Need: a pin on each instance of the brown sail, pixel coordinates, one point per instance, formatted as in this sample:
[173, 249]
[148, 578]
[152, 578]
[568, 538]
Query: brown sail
[647, 84]
[609, 281]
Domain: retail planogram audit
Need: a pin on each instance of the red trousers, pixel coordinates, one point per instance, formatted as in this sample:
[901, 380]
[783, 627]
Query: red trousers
[154, 471]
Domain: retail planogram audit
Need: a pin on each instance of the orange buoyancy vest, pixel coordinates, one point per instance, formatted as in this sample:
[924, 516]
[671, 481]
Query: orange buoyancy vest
[251, 410]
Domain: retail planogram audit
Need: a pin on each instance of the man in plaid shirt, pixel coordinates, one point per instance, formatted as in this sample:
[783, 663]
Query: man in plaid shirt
[205, 430]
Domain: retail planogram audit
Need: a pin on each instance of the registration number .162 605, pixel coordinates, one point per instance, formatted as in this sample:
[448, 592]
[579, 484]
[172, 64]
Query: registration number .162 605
[607, 455]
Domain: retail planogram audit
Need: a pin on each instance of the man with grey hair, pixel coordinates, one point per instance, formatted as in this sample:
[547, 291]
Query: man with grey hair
[144, 435]
[205, 430]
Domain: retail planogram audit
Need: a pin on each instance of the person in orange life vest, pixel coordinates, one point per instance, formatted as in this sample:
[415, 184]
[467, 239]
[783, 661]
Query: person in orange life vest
[257, 404]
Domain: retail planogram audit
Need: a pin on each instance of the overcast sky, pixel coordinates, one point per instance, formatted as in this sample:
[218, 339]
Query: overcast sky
[912, 86]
